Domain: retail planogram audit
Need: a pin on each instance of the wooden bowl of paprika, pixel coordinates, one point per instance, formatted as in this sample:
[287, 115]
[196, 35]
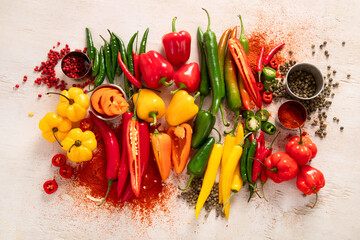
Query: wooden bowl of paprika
[291, 115]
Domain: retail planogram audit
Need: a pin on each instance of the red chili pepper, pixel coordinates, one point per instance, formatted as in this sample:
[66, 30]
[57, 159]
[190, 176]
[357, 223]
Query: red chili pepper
[301, 148]
[112, 148]
[274, 63]
[124, 162]
[58, 160]
[187, 78]
[272, 53]
[260, 86]
[155, 69]
[259, 63]
[86, 124]
[310, 180]
[242, 63]
[281, 167]
[50, 186]
[177, 45]
[66, 171]
[136, 66]
[127, 73]
[267, 97]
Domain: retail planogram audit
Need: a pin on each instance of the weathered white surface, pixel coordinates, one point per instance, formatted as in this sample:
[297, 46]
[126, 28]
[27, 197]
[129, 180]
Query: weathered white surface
[30, 28]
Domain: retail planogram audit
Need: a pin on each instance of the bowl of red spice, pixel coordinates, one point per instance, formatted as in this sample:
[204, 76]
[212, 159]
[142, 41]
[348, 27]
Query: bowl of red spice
[76, 65]
[292, 114]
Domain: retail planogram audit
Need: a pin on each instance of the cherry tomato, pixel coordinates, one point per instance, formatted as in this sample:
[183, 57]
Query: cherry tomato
[66, 171]
[97, 135]
[86, 124]
[50, 186]
[58, 160]
[274, 63]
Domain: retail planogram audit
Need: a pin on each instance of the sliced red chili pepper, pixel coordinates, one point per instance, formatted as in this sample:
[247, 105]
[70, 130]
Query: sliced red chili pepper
[58, 160]
[86, 124]
[50, 186]
[97, 135]
[66, 171]
[260, 86]
[274, 63]
[267, 97]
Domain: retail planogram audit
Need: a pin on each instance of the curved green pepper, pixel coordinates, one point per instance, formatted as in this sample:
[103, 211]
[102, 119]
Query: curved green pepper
[204, 86]
[268, 128]
[253, 123]
[203, 125]
[96, 64]
[197, 165]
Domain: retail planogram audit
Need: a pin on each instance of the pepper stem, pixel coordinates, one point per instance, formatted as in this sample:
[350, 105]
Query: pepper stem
[76, 144]
[231, 132]
[242, 34]
[71, 101]
[196, 95]
[245, 138]
[226, 124]
[54, 130]
[301, 142]
[109, 32]
[316, 199]
[173, 24]
[262, 189]
[208, 16]
[188, 184]
[228, 200]
[181, 86]
[218, 134]
[269, 147]
[201, 102]
[259, 73]
[274, 169]
[103, 39]
[134, 113]
[107, 193]
[164, 82]
[153, 115]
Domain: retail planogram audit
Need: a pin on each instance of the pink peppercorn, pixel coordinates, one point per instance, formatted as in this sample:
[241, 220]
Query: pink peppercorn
[39, 95]
[17, 86]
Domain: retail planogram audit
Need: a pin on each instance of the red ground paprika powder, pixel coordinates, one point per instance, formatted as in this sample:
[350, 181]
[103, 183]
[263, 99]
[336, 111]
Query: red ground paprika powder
[291, 115]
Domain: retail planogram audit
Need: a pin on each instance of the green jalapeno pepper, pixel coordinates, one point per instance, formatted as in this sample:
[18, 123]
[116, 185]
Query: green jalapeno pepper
[101, 75]
[197, 165]
[268, 128]
[122, 50]
[107, 54]
[90, 45]
[243, 161]
[204, 87]
[263, 115]
[253, 123]
[268, 74]
[203, 125]
[96, 66]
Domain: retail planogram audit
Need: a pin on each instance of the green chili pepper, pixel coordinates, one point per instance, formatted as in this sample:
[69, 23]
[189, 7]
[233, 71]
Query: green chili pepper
[212, 60]
[90, 45]
[96, 66]
[250, 159]
[197, 165]
[204, 86]
[143, 41]
[268, 74]
[114, 52]
[203, 125]
[247, 114]
[107, 54]
[243, 161]
[263, 115]
[244, 42]
[268, 128]
[253, 123]
[101, 76]
[129, 54]
[122, 50]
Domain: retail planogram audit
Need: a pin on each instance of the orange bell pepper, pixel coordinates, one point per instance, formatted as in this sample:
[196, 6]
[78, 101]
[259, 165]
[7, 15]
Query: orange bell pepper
[180, 145]
[161, 145]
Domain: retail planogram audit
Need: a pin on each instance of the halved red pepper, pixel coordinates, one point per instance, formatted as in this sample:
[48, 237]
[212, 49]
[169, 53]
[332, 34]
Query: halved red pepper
[267, 97]
[155, 69]
[239, 55]
[187, 77]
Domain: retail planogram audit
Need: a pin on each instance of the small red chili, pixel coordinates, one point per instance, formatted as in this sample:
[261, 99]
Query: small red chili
[267, 97]
[274, 63]
[97, 135]
[260, 86]
[86, 124]
[66, 171]
[58, 160]
[50, 186]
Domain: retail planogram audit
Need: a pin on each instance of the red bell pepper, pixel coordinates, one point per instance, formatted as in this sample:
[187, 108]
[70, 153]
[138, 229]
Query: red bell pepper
[302, 149]
[155, 69]
[187, 78]
[239, 55]
[310, 180]
[267, 97]
[177, 45]
[281, 167]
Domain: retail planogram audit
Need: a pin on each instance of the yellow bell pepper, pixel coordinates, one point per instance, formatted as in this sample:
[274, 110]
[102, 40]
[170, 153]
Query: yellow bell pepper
[181, 108]
[73, 104]
[79, 145]
[54, 127]
[149, 106]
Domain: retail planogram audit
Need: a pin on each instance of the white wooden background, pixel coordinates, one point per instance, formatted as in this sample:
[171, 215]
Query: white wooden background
[30, 28]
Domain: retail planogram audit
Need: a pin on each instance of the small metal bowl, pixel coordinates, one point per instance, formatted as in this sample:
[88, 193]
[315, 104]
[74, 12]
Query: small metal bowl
[299, 108]
[306, 67]
[105, 118]
[77, 54]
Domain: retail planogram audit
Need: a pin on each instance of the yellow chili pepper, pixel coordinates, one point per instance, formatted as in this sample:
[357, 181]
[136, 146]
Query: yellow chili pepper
[73, 104]
[150, 106]
[239, 134]
[79, 145]
[210, 176]
[54, 127]
[181, 108]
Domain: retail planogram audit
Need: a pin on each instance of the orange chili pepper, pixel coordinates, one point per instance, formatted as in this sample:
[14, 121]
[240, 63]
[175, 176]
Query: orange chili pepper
[245, 98]
[161, 145]
[180, 145]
